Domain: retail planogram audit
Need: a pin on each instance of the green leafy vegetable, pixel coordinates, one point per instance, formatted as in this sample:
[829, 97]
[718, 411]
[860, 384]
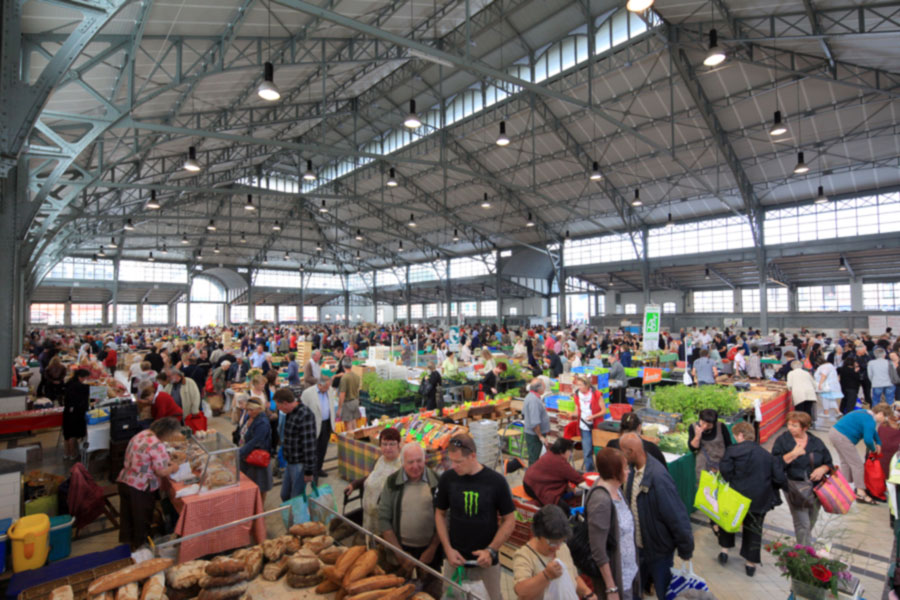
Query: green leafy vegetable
[689, 401]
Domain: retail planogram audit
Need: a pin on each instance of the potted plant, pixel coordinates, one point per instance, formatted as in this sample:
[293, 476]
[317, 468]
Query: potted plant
[813, 574]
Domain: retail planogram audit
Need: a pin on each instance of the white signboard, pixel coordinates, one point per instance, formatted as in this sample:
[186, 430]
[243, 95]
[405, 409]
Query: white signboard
[651, 327]
[453, 341]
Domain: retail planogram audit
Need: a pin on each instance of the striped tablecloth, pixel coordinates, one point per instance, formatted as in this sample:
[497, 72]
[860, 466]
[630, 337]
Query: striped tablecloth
[356, 458]
[204, 511]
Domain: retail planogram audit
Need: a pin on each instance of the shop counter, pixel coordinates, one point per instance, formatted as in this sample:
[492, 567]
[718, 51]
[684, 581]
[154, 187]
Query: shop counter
[31, 420]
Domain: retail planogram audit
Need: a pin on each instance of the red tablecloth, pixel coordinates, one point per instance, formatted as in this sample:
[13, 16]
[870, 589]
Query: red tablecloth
[31, 420]
[774, 415]
[203, 511]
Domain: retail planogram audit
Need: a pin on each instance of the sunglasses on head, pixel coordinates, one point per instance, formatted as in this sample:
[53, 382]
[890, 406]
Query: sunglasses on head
[457, 443]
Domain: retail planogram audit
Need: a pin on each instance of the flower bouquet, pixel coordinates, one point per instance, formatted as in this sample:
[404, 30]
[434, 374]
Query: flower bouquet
[812, 573]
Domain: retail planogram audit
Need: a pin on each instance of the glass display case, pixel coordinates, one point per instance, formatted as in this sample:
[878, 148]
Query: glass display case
[213, 459]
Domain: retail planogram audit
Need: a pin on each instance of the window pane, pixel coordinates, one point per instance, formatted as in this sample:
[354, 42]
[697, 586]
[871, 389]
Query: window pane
[823, 298]
[714, 301]
[87, 314]
[126, 314]
[48, 314]
[156, 314]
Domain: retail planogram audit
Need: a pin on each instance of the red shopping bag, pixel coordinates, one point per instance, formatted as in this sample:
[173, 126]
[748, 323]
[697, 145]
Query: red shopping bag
[874, 477]
[197, 422]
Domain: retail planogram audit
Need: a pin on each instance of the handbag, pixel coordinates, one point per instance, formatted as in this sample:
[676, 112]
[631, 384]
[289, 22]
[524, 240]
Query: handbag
[835, 493]
[800, 493]
[258, 458]
[579, 543]
[874, 476]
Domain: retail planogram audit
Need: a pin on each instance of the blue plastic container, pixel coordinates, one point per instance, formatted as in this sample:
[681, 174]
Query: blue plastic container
[552, 402]
[60, 537]
[5, 524]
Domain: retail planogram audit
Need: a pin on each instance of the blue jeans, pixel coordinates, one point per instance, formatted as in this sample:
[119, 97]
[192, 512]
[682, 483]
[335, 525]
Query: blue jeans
[587, 448]
[659, 570]
[293, 483]
[888, 394]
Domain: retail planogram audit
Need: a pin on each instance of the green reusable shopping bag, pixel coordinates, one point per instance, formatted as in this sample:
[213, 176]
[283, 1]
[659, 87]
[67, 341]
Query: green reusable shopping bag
[720, 502]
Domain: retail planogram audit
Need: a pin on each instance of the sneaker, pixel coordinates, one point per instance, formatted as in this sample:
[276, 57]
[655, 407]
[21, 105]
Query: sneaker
[723, 558]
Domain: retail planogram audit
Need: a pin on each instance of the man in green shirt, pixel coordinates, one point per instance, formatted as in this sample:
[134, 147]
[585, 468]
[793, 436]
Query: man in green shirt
[348, 394]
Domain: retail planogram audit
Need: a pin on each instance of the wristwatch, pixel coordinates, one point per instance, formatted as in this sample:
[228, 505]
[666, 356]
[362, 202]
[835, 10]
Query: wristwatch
[494, 555]
[612, 590]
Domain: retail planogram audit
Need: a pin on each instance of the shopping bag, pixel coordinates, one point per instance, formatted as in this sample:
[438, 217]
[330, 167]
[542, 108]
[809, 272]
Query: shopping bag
[874, 477]
[561, 588]
[835, 493]
[323, 496]
[723, 504]
[685, 580]
[298, 511]
[197, 422]
[471, 588]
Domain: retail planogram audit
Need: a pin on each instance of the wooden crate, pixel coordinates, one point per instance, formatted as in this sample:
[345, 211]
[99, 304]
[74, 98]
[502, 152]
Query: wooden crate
[78, 581]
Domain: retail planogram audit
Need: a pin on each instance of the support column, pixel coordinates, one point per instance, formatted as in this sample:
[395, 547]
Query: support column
[374, 298]
[251, 309]
[645, 268]
[762, 267]
[10, 275]
[449, 301]
[408, 298]
[115, 294]
[139, 314]
[346, 301]
[499, 294]
[561, 313]
[187, 304]
[302, 297]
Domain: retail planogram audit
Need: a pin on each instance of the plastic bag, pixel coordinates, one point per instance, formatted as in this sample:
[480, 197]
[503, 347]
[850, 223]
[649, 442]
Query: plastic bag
[323, 496]
[561, 588]
[298, 513]
[874, 476]
[683, 580]
[720, 502]
[686, 379]
[474, 587]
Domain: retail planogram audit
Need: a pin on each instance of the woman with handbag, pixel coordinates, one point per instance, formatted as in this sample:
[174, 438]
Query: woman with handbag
[806, 461]
[255, 441]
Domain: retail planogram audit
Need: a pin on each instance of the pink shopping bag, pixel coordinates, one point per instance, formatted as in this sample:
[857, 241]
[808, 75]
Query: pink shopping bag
[835, 494]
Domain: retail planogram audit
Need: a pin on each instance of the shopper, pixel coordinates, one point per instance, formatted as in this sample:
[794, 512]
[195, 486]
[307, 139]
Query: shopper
[631, 422]
[313, 369]
[859, 425]
[146, 461]
[828, 385]
[849, 378]
[661, 525]
[406, 514]
[806, 459]
[293, 370]
[348, 395]
[545, 558]
[704, 370]
[387, 464]
[320, 400]
[490, 384]
[751, 470]
[481, 515]
[450, 366]
[879, 374]
[298, 444]
[184, 391]
[708, 440]
[589, 412]
[76, 403]
[431, 387]
[536, 420]
[554, 364]
[548, 479]
[256, 434]
[618, 381]
[803, 388]
[611, 529]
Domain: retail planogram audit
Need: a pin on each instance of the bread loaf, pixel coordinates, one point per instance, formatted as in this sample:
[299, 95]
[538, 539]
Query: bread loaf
[208, 581]
[63, 593]
[361, 568]
[308, 529]
[274, 571]
[229, 592]
[318, 543]
[154, 588]
[373, 595]
[422, 596]
[401, 593]
[224, 565]
[347, 559]
[273, 549]
[130, 574]
[129, 591]
[186, 575]
[378, 582]
[327, 586]
[253, 561]
[330, 555]
[291, 544]
[303, 566]
[303, 581]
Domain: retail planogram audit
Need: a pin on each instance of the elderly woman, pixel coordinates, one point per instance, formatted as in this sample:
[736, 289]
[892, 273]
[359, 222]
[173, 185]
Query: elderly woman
[589, 411]
[803, 388]
[255, 433]
[146, 461]
[545, 558]
[548, 479]
[853, 428]
[184, 391]
[756, 474]
[609, 516]
[76, 403]
[387, 463]
[806, 459]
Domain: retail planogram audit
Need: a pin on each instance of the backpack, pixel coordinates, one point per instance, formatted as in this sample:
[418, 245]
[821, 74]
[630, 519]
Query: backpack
[579, 542]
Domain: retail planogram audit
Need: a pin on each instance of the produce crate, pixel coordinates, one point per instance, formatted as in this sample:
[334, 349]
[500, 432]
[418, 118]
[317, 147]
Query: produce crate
[515, 440]
[375, 410]
[650, 415]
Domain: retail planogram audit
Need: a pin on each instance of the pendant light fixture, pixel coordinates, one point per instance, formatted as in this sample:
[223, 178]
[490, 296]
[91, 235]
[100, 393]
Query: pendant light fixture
[400, 246]
[287, 256]
[211, 226]
[318, 246]
[669, 222]
[112, 243]
[715, 55]
[276, 226]
[93, 258]
[267, 89]
[392, 180]
[249, 206]
[243, 238]
[530, 221]
[309, 174]
[165, 249]
[485, 203]
[706, 276]
[778, 127]
[265, 259]
[596, 175]
[129, 226]
[456, 235]
[502, 140]
[216, 249]
[412, 220]
[199, 254]
[412, 120]
[637, 199]
[638, 5]
[821, 198]
[184, 239]
[842, 265]
[101, 253]
[191, 163]
[150, 258]
[152, 204]
[323, 209]
[359, 236]
[801, 167]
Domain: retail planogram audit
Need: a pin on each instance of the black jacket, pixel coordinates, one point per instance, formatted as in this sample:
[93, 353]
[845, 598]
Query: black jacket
[755, 473]
[556, 366]
[665, 525]
[800, 468]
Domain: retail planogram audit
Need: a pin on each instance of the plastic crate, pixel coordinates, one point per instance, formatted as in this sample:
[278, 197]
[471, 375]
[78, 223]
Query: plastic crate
[650, 415]
[5, 524]
[617, 410]
[552, 402]
[60, 537]
[97, 416]
[375, 410]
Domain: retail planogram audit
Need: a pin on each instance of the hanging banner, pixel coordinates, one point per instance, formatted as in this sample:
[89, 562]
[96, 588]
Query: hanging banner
[453, 339]
[651, 327]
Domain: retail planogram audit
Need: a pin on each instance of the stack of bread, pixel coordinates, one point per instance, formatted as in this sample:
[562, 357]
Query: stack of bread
[143, 581]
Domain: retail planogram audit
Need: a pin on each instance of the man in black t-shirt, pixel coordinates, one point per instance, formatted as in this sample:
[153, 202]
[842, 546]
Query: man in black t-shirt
[477, 498]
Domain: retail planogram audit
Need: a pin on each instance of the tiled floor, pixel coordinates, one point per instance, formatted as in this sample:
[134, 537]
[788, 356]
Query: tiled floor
[862, 537]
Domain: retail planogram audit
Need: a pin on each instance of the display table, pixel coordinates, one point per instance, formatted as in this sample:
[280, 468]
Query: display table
[31, 420]
[774, 415]
[356, 458]
[200, 512]
[683, 472]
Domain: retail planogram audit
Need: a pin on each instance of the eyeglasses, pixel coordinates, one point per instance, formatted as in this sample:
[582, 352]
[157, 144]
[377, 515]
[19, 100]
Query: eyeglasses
[390, 443]
[555, 543]
[458, 443]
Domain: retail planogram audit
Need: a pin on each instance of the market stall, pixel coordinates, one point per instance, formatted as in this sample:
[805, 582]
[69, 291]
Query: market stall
[31, 420]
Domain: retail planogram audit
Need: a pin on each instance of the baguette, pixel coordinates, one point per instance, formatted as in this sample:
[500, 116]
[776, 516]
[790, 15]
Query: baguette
[331, 575]
[131, 574]
[318, 543]
[303, 566]
[340, 595]
[154, 588]
[330, 555]
[129, 591]
[228, 592]
[378, 582]
[308, 529]
[327, 586]
[361, 568]
[401, 593]
[348, 559]
[62, 593]
[373, 595]
[221, 566]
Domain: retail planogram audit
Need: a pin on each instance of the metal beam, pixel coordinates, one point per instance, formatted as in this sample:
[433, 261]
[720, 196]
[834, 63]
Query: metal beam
[718, 274]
